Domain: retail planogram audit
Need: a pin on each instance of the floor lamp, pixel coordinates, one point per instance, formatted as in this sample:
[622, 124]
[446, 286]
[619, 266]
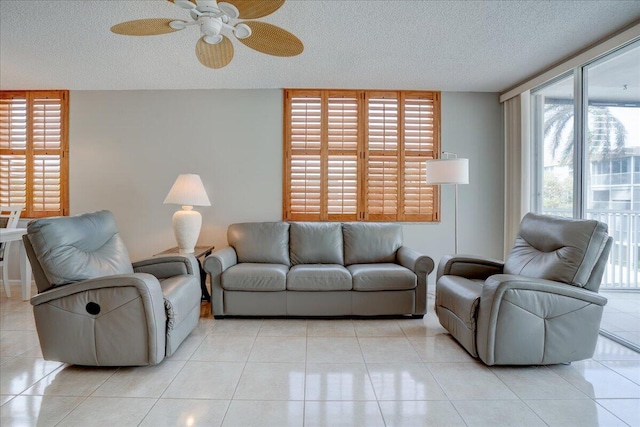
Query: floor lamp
[449, 170]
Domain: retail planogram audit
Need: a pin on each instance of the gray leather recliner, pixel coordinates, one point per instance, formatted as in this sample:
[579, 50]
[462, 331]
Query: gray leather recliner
[541, 306]
[94, 307]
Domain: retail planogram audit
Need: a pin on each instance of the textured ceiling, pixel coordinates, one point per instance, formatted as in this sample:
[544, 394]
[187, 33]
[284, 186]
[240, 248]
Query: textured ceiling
[485, 46]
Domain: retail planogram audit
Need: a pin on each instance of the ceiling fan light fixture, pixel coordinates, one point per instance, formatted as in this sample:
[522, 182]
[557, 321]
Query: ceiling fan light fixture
[242, 31]
[178, 25]
[185, 4]
[228, 9]
[213, 39]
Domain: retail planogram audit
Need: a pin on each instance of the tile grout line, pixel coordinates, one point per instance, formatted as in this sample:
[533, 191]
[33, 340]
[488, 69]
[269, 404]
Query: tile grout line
[235, 389]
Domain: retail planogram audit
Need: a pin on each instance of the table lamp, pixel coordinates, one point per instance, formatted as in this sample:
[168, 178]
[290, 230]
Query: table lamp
[450, 170]
[188, 192]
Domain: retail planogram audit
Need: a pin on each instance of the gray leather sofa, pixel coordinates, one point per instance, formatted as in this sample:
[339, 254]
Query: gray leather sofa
[94, 307]
[539, 307]
[317, 269]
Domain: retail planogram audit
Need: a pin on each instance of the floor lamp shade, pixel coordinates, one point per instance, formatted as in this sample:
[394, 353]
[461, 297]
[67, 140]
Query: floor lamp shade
[188, 192]
[448, 171]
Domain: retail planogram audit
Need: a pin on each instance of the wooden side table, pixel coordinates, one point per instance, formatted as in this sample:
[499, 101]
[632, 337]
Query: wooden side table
[201, 252]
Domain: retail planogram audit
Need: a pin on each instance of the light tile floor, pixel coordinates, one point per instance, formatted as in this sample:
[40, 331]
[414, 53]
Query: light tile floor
[314, 373]
[622, 315]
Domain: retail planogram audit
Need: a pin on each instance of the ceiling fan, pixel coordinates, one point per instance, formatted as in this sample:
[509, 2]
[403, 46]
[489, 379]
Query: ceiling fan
[214, 49]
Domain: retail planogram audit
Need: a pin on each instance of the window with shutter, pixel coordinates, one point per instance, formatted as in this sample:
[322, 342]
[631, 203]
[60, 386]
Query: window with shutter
[359, 155]
[34, 151]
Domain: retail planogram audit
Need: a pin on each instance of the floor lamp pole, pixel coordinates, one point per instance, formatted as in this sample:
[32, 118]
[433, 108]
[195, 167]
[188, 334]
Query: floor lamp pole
[456, 219]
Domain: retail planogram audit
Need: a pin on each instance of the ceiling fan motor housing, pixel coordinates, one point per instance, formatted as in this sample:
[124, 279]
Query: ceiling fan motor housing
[210, 25]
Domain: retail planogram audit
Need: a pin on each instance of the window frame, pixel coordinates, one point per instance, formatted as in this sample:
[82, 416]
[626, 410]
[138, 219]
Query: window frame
[363, 155]
[30, 152]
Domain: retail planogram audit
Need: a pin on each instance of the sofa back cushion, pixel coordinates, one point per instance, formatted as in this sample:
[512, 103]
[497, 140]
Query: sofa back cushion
[560, 249]
[76, 248]
[316, 243]
[368, 243]
[266, 242]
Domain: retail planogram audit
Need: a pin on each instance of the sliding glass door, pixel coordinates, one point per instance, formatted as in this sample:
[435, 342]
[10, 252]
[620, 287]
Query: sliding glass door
[586, 143]
[553, 119]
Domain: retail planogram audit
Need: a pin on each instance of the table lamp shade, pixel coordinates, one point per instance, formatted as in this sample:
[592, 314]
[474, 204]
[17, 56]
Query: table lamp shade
[188, 192]
[447, 171]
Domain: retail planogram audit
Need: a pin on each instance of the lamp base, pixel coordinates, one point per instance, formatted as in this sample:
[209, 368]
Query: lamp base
[186, 228]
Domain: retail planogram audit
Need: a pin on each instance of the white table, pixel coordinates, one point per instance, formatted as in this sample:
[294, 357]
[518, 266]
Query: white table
[12, 235]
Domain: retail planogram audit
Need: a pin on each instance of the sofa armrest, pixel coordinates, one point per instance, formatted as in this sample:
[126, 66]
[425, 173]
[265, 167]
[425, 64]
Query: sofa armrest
[164, 266]
[517, 303]
[216, 264]
[470, 267]
[415, 261]
[220, 260]
[421, 265]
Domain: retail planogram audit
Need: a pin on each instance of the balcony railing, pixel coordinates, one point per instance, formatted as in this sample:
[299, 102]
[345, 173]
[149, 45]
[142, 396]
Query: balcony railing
[623, 267]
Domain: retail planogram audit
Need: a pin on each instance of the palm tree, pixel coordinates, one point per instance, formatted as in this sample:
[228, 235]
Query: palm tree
[606, 133]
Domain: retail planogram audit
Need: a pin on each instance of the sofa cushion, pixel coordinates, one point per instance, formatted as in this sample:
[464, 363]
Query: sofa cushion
[367, 243]
[255, 277]
[266, 242]
[319, 277]
[559, 249]
[76, 248]
[382, 277]
[316, 243]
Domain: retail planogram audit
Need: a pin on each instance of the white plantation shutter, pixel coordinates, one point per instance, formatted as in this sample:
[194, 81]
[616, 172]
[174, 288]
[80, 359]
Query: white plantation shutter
[359, 155]
[33, 151]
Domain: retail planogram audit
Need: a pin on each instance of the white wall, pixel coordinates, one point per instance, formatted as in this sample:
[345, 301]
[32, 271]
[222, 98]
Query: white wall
[127, 148]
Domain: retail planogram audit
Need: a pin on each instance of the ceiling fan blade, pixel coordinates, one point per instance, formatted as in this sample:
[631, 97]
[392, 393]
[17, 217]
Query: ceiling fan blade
[144, 27]
[184, 3]
[251, 9]
[272, 40]
[214, 55]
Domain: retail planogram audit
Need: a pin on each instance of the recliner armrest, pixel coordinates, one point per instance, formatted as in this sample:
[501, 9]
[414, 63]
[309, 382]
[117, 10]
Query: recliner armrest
[495, 287]
[470, 267]
[129, 310]
[528, 311]
[164, 266]
[145, 283]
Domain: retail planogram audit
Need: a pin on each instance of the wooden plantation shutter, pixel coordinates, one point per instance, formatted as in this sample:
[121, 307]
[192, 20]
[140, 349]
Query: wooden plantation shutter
[421, 136]
[302, 161]
[359, 155]
[382, 156]
[342, 155]
[34, 151]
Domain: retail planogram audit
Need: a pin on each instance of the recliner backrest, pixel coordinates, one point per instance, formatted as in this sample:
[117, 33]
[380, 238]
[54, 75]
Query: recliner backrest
[560, 249]
[77, 248]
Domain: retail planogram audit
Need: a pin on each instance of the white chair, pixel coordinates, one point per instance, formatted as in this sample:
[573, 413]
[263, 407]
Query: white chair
[9, 216]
